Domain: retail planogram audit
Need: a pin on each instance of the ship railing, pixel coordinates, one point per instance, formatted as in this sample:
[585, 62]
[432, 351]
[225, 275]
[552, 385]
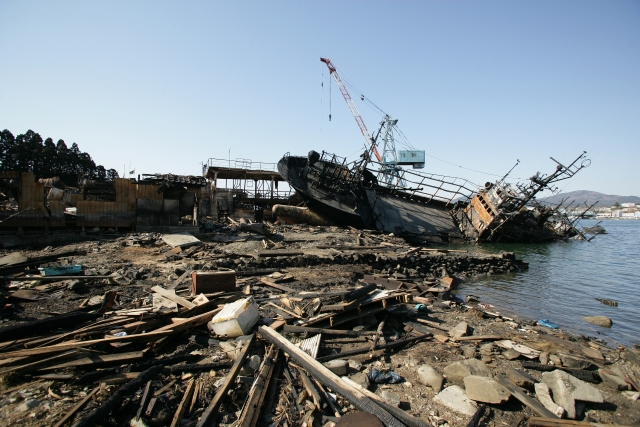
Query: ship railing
[429, 186]
[240, 163]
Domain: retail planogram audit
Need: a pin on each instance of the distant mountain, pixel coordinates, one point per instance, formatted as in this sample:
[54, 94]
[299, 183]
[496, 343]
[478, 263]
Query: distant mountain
[590, 197]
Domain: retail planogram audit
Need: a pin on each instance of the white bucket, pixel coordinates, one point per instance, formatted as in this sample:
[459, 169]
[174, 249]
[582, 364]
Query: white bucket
[235, 319]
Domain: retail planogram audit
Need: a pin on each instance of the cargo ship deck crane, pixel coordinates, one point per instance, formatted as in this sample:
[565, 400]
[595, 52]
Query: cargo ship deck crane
[352, 107]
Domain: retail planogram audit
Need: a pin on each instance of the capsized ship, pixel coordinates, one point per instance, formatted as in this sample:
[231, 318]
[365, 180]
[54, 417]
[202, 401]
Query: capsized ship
[432, 207]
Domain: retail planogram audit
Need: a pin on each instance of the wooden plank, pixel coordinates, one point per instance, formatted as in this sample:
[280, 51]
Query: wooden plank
[279, 253]
[255, 400]
[284, 310]
[207, 416]
[34, 366]
[519, 394]
[367, 349]
[173, 297]
[76, 408]
[98, 360]
[308, 330]
[144, 400]
[329, 379]
[311, 390]
[150, 336]
[53, 278]
[119, 378]
[479, 338]
[184, 403]
[555, 422]
[274, 285]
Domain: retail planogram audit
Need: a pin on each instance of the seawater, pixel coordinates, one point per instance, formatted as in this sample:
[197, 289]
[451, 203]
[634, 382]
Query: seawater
[565, 278]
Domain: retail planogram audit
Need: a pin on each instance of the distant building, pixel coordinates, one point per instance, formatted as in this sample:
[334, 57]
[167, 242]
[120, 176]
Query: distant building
[627, 205]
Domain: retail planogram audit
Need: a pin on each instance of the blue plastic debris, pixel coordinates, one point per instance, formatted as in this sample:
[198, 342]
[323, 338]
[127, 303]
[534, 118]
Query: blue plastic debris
[389, 377]
[547, 323]
[421, 307]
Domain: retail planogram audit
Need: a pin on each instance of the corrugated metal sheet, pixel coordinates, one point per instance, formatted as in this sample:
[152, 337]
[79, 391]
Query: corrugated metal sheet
[311, 345]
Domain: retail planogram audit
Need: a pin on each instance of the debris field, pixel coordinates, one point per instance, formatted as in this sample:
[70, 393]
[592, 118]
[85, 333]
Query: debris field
[276, 325]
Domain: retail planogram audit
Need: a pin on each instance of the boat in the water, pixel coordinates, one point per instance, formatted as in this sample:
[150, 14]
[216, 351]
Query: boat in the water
[427, 206]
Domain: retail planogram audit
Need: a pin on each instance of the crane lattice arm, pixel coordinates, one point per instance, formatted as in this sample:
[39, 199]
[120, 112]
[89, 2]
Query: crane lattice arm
[352, 107]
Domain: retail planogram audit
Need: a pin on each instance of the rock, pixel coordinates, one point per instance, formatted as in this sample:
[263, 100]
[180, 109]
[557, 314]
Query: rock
[28, 405]
[574, 362]
[613, 381]
[430, 377]
[456, 371]
[454, 398]
[555, 360]
[487, 349]
[354, 419]
[337, 366]
[361, 378]
[544, 396]
[460, 330]
[483, 389]
[486, 359]
[468, 352]
[603, 321]
[390, 397]
[519, 378]
[544, 358]
[631, 395]
[632, 355]
[251, 365]
[511, 354]
[355, 365]
[75, 285]
[567, 389]
[593, 353]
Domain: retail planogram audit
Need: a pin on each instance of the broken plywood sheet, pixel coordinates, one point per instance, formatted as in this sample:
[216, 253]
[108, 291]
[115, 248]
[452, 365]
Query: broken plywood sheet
[182, 240]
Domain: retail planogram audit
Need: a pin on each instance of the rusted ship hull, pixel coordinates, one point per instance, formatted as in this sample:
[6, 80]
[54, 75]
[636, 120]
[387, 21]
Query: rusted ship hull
[349, 195]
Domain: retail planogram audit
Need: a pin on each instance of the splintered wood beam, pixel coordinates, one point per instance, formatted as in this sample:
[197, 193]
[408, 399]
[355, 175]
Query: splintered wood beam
[186, 399]
[209, 414]
[150, 336]
[275, 285]
[98, 360]
[308, 385]
[367, 349]
[76, 408]
[255, 400]
[173, 297]
[304, 329]
[329, 379]
[519, 394]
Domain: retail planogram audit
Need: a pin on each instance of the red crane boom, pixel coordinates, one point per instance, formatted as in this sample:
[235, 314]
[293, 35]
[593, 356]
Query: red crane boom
[352, 107]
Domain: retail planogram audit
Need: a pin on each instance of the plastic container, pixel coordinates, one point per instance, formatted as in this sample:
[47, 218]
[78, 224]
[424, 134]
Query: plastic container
[235, 319]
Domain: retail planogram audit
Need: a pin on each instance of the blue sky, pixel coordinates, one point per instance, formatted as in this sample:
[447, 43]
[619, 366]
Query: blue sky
[164, 86]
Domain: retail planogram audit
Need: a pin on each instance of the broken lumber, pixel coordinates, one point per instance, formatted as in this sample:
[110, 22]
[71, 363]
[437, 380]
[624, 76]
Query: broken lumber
[76, 408]
[329, 379]
[97, 360]
[207, 416]
[251, 411]
[150, 336]
[308, 330]
[95, 417]
[272, 284]
[519, 394]
[367, 349]
[186, 398]
[41, 326]
[173, 297]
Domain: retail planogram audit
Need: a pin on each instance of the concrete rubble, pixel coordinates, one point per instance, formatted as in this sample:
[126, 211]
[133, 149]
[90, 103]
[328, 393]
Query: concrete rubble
[282, 325]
